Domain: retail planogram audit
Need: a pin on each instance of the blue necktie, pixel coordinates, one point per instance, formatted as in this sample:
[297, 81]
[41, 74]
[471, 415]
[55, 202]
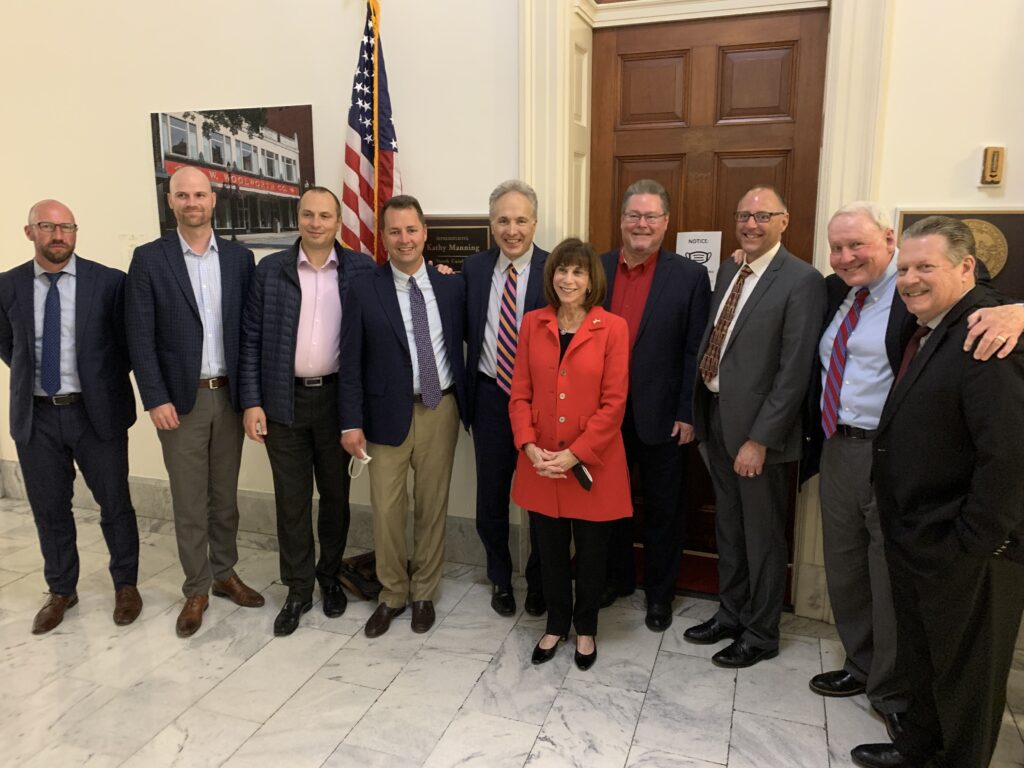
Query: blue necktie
[430, 383]
[49, 365]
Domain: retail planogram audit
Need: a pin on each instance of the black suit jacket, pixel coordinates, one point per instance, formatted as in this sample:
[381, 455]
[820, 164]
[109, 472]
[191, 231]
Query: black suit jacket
[376, 364]
[948, 453]
[165, 332]
[663, 362]
[477, 271]
[102, 352]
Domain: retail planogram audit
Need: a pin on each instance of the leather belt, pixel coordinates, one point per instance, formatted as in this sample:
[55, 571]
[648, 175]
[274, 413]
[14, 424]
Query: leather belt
[68, 399]
[215, 383]
[418, 399]
[855, 433]
[315, 381]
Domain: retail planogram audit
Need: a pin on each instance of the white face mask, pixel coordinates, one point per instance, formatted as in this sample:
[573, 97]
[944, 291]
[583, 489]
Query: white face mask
[356, 464]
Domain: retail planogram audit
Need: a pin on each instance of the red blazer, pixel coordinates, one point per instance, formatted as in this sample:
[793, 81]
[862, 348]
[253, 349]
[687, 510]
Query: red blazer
[576, 404]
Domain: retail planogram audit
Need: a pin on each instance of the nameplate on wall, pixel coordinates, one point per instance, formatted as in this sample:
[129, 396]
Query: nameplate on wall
[450, 239]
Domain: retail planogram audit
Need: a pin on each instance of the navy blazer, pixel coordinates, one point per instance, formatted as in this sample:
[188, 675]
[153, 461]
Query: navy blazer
[270, 327]
[165, 332]
[477, 271]
[376, 364]
[663, 362]
[102, 352]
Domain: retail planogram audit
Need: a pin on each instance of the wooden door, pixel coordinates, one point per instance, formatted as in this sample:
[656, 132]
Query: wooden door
[709, 108]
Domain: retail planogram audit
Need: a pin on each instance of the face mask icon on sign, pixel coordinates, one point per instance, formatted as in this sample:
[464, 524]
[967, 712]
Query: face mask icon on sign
[701, 257]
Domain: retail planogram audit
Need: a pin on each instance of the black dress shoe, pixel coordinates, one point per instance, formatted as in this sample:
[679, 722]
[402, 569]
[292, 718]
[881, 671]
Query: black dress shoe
[542, 655]
[422, 615]
[503, 601]
[585, 661]
[659, 616]
[836, 683]
[879, 756]
[334, 600]
[287, 620]
[740, 654]
[535, 604]
[710, 632]
[612, 593]
[894, 723]
[380, 620]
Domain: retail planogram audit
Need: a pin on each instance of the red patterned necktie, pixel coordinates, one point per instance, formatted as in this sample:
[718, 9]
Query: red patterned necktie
[713, 354]
[508, 333]
[837, 365]
[912, 347]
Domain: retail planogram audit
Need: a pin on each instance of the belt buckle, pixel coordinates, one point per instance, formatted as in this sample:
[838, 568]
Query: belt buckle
[313, 381]
[61, 399]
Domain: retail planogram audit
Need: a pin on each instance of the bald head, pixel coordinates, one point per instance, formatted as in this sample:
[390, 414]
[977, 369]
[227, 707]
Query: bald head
[192, 200]
[191, 177]
[51, 228]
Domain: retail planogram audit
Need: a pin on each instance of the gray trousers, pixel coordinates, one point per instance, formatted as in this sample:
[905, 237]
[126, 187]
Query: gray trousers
[857, 571]
[202, 457]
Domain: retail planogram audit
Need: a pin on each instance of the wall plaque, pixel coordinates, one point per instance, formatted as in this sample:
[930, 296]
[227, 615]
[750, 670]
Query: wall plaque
[450, 239]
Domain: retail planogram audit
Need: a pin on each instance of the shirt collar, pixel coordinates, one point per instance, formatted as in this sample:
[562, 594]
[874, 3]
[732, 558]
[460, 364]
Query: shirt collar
[641, 265]
[760, 265]
[70, 267]
[402, 279]
[304, 259]
[186, 249]
[520, 264]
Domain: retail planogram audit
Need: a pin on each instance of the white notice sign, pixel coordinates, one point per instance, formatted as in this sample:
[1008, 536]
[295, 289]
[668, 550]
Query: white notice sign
[702, 247]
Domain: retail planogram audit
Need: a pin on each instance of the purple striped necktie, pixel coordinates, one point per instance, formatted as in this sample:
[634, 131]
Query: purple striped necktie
[508, 333]
[430, 382]
[837, 365]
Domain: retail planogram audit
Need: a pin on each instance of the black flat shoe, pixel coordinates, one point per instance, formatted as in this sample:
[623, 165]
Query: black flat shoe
[836, 683]
[585, 661]
[287, 620]
[659, 616]
[542, 655]
[710, 632]
[740, 655]
[334, 601]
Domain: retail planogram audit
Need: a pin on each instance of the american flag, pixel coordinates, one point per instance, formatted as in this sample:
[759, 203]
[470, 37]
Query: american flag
[371, 147]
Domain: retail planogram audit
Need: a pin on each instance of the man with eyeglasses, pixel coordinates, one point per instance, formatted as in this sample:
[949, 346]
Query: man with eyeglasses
[664, 300]
[62, 334]
[755, 364]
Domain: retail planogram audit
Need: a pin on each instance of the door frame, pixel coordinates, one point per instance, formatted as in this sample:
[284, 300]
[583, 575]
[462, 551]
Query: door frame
[555, 65]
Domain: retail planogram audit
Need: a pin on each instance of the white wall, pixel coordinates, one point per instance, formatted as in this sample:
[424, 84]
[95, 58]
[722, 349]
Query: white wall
[80, 80]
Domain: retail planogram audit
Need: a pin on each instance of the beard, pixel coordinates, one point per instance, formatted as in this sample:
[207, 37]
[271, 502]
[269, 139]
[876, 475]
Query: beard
[55, 255]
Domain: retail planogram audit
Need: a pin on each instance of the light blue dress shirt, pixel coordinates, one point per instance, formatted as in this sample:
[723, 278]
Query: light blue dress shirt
[66, 288]
[204, 274]
[444, 368]
[489, 351]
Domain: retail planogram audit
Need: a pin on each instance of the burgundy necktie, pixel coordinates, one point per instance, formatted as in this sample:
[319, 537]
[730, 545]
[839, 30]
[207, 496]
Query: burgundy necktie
[912, 347]
[713, 354]
[837, 365]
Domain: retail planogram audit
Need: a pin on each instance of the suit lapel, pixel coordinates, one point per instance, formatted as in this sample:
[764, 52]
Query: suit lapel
[441, 295]
[662, 269]
[230, 295]
[485, 298]
[176, 262]
[84, 290]
[592, 323]
[388, 295]
[534, 286]
[24, 291]
[763, 284]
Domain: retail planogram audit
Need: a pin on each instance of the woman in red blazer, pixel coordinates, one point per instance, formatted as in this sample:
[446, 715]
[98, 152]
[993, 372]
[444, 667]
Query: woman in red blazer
[567, 403]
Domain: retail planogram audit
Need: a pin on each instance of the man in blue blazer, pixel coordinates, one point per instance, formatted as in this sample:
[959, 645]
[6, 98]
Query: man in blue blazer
[402, 390]
[184, 307]
[288, 383]
[62, 334]
[664, 299]
[513, 214]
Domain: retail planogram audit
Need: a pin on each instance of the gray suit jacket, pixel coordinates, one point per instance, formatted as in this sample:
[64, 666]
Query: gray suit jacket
[766, 366]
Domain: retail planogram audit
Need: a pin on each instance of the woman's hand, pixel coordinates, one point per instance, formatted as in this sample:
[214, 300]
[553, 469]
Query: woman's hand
[553, 464]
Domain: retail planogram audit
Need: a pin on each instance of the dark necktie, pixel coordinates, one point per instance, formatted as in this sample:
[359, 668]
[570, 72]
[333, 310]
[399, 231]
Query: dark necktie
[837, 365]
[49, 364]
[912, 347]
[430, 384]
[508, 334]
[713, 354]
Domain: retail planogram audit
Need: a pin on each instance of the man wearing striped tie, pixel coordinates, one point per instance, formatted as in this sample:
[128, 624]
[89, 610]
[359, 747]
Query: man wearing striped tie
[502, 284]
[867, 328]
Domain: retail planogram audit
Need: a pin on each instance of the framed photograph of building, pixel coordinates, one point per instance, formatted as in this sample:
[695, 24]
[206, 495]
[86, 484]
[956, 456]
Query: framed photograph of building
[258, 161]
[999, 235]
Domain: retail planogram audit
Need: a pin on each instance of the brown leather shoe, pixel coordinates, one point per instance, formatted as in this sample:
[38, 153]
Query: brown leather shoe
[380, 620]
[52, 612]
[236, 590]
[422, 615]
[191, 617]
[127, 605]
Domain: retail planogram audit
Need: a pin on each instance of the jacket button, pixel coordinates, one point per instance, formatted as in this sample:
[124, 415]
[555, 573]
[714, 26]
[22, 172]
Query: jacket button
[561, 419]
[561, 443]
[563, 372]
[562, 396]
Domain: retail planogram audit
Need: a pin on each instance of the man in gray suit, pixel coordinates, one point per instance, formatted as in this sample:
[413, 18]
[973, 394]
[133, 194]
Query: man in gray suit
[755, 364]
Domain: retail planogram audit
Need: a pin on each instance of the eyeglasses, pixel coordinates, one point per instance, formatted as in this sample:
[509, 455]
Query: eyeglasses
[49, 226]
[649, 218]
[761, 217]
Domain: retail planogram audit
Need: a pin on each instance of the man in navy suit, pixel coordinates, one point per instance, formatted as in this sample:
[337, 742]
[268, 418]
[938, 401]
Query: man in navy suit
[184, 308]
[62, 334]
[489, 355]
[402, 390]
[288, 369]
[664, 299]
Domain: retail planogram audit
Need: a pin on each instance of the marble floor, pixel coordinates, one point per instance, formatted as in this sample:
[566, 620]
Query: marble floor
[464, 694]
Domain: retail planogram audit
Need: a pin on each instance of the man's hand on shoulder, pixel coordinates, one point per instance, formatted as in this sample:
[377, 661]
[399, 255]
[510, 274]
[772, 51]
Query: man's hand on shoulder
[995, 329]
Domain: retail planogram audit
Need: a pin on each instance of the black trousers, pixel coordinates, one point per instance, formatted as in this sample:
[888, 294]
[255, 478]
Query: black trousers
[310, 447]
[750, 526]
[956, 626]
[554, 535]
[662, 470]
[61, 436]
[496, 457]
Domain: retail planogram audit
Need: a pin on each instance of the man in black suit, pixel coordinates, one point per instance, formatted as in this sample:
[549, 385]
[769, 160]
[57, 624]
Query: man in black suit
[402, 390]
[288, 384]
[184, 308]
[950, 492]
[664, 299]
[755, 364]
[62, 334]
[490, 352]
